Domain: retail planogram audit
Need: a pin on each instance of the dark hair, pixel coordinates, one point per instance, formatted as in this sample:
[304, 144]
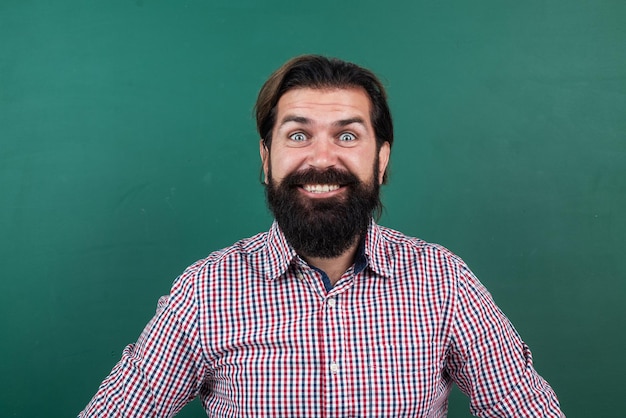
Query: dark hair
[319, 72]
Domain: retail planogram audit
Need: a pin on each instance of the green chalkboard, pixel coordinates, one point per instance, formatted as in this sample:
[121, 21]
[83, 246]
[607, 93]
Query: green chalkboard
[128, 151]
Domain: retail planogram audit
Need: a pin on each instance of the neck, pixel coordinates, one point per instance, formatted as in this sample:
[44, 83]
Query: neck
[336, 266]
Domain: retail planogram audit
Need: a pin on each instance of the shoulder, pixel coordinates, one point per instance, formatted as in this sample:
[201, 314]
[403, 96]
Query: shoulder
[246, 253]
[220, 271]
[407, 249]
[431, 265]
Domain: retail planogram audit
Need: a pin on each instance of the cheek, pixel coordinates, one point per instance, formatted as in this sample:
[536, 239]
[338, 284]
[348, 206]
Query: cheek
[276, 168]
[282, 164]
[365, 166]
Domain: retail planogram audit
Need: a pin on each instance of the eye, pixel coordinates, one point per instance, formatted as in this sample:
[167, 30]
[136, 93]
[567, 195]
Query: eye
[298, 137]
[347, 137]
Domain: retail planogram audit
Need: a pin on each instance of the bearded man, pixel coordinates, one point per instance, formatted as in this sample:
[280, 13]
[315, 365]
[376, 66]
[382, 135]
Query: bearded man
[328, 314]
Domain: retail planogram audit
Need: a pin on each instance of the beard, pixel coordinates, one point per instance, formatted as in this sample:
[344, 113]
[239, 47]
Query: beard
[325, 227]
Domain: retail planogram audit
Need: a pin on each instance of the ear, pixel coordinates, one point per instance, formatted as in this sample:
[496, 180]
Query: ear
[265, 158]
[383, 161]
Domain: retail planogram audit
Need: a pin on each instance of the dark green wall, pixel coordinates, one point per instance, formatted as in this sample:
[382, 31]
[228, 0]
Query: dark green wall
[128, 151]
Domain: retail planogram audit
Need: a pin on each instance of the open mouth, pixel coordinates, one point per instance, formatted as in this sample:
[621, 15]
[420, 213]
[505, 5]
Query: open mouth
[320, 188]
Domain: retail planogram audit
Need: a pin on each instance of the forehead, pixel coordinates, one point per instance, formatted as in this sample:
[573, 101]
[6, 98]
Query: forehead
[324, 103]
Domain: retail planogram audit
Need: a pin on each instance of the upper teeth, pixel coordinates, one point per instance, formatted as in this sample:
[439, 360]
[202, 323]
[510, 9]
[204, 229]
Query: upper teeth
[320, 188]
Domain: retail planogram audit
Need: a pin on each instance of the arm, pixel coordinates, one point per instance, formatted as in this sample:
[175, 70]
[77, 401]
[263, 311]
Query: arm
[490, 362]
[163, 371]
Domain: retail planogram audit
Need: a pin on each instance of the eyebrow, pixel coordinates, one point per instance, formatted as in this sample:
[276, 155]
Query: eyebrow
[349, 121]
[307, 121]
[297, 119]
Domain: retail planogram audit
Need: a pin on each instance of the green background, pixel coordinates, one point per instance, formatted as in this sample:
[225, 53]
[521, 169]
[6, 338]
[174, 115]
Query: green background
[128, 151]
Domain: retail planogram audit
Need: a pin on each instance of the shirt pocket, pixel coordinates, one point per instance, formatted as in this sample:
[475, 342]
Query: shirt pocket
[404, 359]
[408, 374]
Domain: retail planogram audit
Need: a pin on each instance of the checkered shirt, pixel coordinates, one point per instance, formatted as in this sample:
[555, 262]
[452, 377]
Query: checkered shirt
[254, 331]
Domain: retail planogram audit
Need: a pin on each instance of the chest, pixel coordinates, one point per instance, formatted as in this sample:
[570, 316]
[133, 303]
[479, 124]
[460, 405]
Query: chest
[370, 348]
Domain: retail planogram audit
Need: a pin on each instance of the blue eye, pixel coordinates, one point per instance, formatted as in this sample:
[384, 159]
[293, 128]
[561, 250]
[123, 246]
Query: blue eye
[347, 137]
[298, 137]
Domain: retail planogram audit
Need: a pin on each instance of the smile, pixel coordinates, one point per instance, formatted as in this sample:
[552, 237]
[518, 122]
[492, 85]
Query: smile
[320, 188]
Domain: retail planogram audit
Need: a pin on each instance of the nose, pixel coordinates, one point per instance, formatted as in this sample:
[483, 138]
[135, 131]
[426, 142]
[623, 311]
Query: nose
[323, 154]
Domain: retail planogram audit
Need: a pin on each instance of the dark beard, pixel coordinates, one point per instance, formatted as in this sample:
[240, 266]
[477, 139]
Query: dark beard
[323, 228]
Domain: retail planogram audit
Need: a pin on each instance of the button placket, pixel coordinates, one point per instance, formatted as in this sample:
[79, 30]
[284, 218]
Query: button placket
[334, 334]
[334, 368]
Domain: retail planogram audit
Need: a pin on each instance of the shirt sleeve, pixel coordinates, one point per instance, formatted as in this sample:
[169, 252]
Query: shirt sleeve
[162, 371]
[489, 361]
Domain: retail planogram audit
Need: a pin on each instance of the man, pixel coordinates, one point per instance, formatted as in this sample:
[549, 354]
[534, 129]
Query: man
[327, 314]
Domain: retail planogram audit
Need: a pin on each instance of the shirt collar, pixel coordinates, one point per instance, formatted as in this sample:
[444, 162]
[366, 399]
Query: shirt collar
[378, 251]
[279, 254]
[373, 253]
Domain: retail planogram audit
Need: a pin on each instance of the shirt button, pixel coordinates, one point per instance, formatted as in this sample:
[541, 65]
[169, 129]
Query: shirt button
[334, 367]
[300, 276]
[332, 303]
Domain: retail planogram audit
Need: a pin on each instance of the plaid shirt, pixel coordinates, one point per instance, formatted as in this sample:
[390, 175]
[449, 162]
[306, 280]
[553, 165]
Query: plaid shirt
[256, 332]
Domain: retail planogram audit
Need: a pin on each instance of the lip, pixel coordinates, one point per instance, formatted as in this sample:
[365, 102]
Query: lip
[324, 193]
[320, 188]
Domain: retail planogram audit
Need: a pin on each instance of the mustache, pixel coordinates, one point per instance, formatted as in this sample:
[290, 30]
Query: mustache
[315, 176]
